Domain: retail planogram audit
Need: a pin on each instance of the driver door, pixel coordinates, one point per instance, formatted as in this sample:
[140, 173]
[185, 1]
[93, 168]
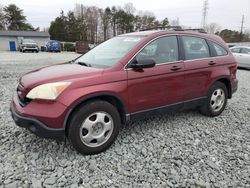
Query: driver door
[157, 88]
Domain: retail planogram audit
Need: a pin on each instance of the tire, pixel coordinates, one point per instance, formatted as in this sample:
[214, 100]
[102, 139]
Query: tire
[23, 51]
[84, 127]
[216, 100]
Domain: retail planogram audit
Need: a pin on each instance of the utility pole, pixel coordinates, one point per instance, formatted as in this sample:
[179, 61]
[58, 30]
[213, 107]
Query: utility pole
[241, 28]
[204, 14]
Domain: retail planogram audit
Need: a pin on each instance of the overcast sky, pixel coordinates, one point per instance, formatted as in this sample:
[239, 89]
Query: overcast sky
[227, 13]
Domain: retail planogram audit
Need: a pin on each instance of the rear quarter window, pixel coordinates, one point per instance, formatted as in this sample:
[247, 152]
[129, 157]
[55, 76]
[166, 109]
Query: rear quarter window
[220, 51]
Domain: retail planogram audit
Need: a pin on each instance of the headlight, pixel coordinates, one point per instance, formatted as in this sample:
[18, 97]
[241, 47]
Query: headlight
[48, 91]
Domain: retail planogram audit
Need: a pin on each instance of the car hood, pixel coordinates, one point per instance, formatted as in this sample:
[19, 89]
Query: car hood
[55, 73]
[29, 44]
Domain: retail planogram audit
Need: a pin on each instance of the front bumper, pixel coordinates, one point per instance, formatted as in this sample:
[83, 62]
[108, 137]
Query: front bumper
[34, 125]
[30, 48]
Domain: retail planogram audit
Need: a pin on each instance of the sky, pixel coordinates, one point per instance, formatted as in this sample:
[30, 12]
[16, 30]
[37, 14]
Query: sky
[226, 13]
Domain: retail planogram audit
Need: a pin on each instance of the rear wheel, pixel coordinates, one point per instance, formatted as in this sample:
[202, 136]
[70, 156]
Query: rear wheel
[94, 127]
[216, 101]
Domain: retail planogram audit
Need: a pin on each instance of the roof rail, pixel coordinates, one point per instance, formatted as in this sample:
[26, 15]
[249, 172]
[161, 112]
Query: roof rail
[175, 28]
[200, 30]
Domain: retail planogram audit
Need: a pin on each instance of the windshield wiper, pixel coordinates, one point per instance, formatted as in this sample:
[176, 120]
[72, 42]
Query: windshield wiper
[83, 63]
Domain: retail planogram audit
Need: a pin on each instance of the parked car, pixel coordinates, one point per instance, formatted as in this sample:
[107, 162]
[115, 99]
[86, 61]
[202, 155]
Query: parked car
[242, 55]
[43, 48]
[28, 45]
[128, 77]
[82, 47]
[231, 45]
[53, 46]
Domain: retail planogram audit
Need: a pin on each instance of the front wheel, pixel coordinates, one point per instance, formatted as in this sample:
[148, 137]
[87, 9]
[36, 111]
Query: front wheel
[94, 127]
[216, 100]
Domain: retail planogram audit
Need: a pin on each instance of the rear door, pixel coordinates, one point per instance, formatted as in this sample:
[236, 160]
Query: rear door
[161, 85]
[198, 67]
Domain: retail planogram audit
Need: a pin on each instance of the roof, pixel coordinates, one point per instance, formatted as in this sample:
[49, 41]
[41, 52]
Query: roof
[24, 34]
[160, 32]
[156, 33]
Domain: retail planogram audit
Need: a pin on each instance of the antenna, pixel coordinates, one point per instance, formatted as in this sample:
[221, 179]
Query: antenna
[204, 14]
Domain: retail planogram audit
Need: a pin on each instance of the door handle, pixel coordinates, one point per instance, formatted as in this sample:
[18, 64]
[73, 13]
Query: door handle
[175, 68]
[211, 63]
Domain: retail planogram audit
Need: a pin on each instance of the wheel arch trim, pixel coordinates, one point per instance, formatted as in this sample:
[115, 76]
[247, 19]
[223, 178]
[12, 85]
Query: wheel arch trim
[92, 97]
[229, 86]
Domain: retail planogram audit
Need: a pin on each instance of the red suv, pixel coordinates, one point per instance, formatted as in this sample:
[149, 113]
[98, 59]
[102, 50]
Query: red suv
[128, 77]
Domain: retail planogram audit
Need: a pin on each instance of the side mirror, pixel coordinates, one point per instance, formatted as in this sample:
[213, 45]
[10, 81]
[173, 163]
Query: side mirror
[141, 64]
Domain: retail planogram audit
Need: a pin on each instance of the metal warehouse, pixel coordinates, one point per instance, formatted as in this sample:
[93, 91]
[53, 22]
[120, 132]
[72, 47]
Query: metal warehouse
[10, 40]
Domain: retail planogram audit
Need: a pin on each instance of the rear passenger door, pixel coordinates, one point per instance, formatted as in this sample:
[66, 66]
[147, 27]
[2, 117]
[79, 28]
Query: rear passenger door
[198, 67]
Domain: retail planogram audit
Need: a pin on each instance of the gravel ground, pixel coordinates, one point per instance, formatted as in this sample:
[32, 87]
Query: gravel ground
[176, 150]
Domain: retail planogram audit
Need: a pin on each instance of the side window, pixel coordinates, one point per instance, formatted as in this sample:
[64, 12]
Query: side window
[235, 50]
[220, 51]
[195, 48]
[161, 50]
[245, 51]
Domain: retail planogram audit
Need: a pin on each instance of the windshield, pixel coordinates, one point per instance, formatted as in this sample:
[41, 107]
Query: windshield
[109, 52]
[28, 41]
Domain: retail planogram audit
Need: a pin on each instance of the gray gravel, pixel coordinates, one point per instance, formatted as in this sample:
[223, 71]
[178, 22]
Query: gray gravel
[176, 150]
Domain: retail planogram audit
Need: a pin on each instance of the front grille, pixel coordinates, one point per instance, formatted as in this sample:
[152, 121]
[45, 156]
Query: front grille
[30, 45]
[23, 101]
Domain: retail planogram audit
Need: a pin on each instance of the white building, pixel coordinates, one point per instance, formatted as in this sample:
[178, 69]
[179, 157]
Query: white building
[10, 40]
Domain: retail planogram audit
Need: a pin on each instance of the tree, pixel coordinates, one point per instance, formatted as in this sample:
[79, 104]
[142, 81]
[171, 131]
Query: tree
[234, 36]
[165, 22]
[2, 22]
[212, 28]
[15, 20]
[58, 27]
[91, 18]
[72, 28]
[129, 8]
[145, 20]
[93, 24]
[114, 19]
[124, 21]
[79, 13]
[106, 19]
